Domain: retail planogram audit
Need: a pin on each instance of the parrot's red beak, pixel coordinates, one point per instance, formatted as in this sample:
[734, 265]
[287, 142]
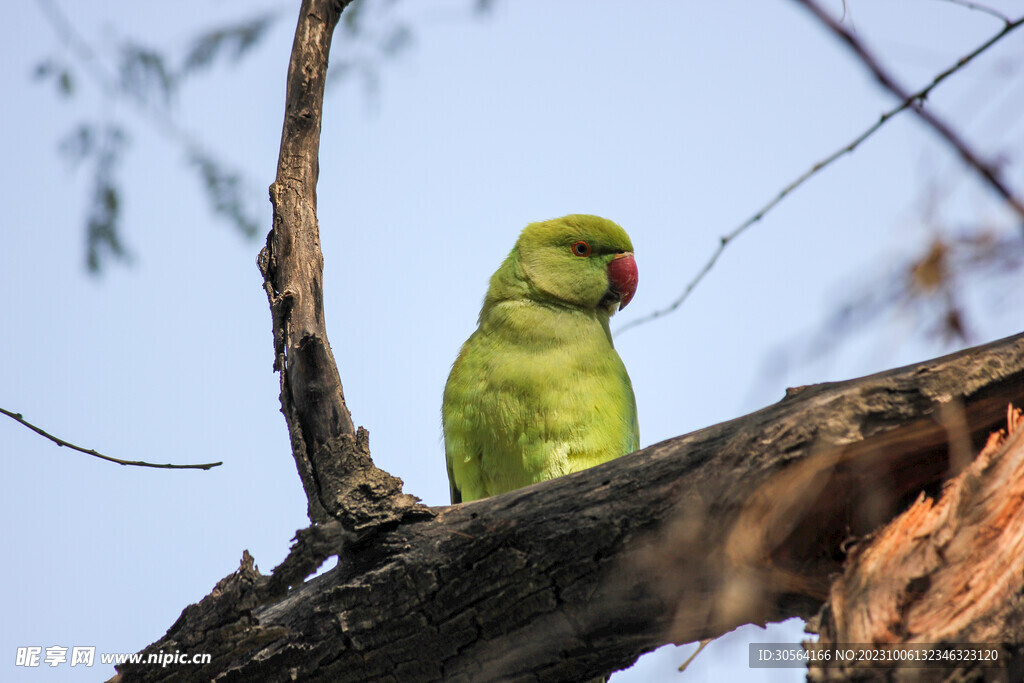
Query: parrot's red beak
[622, 277]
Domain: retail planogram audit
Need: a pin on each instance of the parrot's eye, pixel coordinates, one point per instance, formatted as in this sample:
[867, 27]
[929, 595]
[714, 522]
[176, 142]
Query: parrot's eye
[580, 248]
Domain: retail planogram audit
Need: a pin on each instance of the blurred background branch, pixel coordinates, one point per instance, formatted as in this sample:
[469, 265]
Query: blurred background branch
[912, 101]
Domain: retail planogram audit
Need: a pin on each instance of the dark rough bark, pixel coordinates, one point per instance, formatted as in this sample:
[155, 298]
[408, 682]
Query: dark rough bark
[741, 522]
[333, 460]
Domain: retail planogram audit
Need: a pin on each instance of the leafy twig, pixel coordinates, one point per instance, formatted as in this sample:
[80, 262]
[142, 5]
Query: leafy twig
[144, 78]
[88, 451]
[908, 102]
[233, 41]
[65, 30]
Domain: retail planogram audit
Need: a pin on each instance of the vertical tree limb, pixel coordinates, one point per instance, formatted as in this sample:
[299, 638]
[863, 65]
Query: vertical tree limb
[332, 457]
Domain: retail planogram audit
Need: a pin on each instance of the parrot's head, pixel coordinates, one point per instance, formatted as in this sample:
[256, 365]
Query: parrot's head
[579, 260]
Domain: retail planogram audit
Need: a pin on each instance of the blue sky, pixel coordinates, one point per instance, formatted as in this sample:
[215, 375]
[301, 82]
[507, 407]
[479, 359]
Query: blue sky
[676, 120]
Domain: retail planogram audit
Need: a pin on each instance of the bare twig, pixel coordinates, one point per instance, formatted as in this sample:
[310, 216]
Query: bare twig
[987, 171]
[981, 8]
[703, 644]
[88, 451]
[907, 102]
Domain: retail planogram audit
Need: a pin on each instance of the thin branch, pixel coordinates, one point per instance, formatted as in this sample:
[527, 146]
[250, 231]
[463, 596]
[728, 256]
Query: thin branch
[987, 171]
[88, 451]
[981, 8]
[700, 648]
[907, 102]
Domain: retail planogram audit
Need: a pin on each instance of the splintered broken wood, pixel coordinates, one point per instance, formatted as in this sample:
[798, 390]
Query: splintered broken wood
[947, 571]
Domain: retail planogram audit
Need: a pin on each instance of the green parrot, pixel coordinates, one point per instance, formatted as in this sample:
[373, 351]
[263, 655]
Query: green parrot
[538, 390]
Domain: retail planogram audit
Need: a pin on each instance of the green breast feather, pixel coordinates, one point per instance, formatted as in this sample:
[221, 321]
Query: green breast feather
[538, 390]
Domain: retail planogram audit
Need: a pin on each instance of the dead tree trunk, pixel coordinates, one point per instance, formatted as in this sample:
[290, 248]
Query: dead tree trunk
[746, 521]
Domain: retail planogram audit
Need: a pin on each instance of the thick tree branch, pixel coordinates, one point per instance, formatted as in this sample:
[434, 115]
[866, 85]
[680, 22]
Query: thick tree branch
[745, 521]
[333, 458]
